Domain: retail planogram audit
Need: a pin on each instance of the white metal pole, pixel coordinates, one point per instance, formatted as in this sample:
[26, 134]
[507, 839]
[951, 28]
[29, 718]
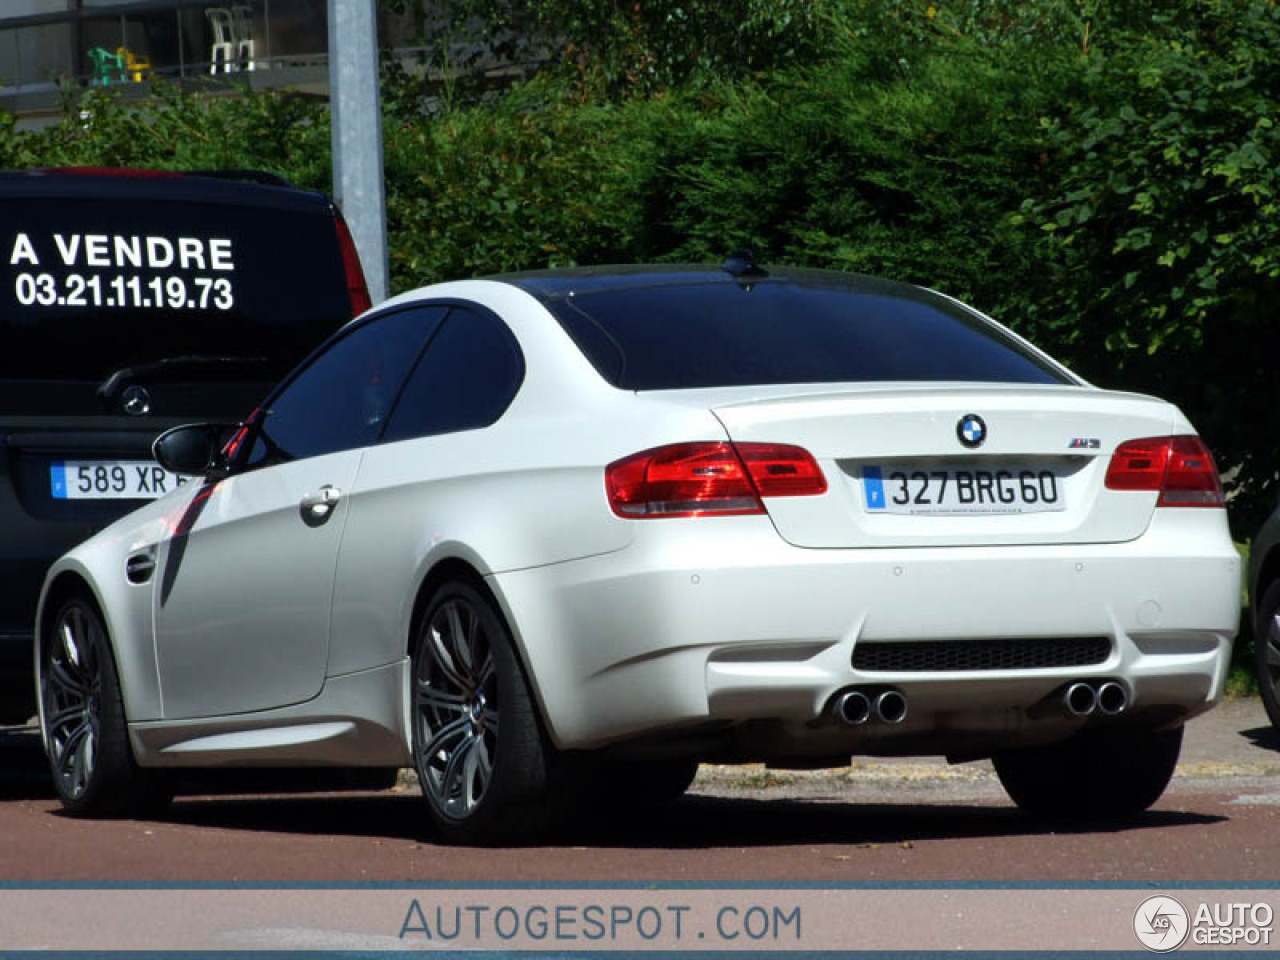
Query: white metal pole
[355, 105]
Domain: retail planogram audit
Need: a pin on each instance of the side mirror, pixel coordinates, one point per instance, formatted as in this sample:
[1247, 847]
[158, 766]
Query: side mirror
[193, 450]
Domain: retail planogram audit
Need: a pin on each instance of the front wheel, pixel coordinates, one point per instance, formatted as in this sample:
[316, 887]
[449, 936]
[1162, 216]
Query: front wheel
[1099, 775]
[1266, 650]
[82, 721]
[485, 767]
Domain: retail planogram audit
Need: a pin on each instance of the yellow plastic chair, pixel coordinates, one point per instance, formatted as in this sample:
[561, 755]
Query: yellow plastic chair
[136, 67]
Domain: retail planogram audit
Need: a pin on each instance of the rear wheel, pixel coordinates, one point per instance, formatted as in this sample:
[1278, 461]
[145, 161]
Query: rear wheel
[1103, 775]
[485, 767]
[1266, 651]
[83, 721]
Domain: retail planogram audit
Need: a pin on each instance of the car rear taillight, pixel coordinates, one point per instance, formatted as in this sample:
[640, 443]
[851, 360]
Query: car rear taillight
[725, 479]
[357, 289]
[1181, 468]
[781, 470]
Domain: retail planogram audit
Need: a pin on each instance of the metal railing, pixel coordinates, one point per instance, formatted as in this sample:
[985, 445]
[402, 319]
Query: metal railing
[167, 38]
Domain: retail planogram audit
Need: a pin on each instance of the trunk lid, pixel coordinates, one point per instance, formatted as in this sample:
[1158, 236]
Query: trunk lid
[957, 465]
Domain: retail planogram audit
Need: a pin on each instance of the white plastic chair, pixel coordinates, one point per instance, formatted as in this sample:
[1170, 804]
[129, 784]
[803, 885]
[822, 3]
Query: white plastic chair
[242, 33]
[223, 49]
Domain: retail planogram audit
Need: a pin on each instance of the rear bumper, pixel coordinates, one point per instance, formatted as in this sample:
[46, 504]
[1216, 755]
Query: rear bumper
[713, 624]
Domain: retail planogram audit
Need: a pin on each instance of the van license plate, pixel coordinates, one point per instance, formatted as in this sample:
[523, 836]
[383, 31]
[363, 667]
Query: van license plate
[111, 480]
[927, 489]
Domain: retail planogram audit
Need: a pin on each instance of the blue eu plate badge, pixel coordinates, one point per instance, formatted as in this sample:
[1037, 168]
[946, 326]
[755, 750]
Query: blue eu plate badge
[873, 488]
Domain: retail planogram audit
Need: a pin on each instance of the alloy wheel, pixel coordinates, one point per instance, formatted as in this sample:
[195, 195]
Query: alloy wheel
[455, 707]
[72, 694]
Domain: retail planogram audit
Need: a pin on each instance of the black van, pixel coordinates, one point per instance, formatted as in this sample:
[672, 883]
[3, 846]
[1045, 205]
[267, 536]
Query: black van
[132, 301]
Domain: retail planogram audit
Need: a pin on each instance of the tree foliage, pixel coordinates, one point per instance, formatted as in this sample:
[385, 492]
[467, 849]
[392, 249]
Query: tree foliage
[1161, 241]
[628, 46]
[280, 134]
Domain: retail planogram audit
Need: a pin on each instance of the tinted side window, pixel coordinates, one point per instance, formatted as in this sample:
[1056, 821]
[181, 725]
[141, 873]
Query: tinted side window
[342, 398]
[464, 381]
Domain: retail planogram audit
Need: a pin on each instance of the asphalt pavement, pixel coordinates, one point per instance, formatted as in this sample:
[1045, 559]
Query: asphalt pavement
[909, 819]
[1233, 744]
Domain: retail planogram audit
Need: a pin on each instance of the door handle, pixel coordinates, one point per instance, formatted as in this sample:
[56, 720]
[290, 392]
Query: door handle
[317, 507]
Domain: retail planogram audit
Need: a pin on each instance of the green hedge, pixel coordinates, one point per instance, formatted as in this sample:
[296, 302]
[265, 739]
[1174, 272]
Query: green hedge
[1161, 234]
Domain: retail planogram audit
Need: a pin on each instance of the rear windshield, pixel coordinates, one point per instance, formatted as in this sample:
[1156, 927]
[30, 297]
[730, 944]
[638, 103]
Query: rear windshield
[724, 334]
[88, 286]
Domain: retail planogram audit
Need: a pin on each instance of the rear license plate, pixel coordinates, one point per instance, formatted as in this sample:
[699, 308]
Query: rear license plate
[927, 489]
[110, 480]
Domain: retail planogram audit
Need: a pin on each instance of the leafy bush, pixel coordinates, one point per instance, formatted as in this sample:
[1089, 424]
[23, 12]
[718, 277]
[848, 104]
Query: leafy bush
[181, 131]
[636, 46]
[525, 183]
[1161, 241]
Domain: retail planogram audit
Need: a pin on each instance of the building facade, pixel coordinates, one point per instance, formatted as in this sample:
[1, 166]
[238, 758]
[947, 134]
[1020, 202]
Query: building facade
[47, 44]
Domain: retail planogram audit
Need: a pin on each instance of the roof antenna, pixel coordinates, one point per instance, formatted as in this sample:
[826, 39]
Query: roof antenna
[741, 265]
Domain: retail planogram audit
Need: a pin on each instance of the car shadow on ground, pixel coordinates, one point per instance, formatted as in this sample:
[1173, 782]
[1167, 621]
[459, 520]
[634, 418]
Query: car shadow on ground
[1266, 738]
[693, 822]
[24, 774]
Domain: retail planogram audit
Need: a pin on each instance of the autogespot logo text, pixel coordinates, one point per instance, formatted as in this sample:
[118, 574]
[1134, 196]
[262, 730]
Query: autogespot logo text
[1161, 923]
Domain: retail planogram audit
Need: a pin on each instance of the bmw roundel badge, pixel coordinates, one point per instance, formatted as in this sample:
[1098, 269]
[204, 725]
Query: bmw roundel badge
[135, 401]
[971, 430]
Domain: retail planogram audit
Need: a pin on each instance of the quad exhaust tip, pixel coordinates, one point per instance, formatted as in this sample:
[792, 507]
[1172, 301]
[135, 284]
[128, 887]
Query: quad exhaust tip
[853, 707]
[1108, 698]
[1080, 699]
[891, 707]
[856, 707]
[1112, 698]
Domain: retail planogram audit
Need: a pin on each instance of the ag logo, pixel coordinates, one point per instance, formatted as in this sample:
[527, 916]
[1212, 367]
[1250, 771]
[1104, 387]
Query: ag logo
[1161, 923]
[971, 430]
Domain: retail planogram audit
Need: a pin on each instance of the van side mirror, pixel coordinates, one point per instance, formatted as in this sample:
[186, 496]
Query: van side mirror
[194, 449]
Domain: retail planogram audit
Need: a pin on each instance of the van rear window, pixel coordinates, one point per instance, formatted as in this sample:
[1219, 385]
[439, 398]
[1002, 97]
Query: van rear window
[88, 286]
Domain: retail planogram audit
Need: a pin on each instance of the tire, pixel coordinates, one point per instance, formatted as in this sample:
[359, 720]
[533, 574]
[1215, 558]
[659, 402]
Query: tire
[83, 725]
[487, 771]
[1266, 650]
[1096, 776]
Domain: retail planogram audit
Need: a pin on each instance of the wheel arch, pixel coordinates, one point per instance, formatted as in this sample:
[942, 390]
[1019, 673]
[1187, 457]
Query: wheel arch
[134, 665]
[63, 586]
[442, 570]
[457, 565]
